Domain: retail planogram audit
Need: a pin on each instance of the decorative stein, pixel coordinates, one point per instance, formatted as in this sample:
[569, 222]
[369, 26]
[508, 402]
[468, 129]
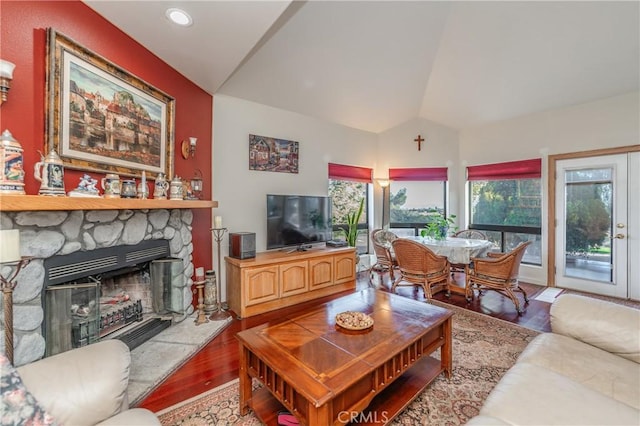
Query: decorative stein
[49, 171]
[128, 188]
[11, 165]
[160, 187]
[111, 185]
[176, 190]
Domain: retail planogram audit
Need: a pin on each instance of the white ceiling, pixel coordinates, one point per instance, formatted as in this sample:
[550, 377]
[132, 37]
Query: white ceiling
[373, 65]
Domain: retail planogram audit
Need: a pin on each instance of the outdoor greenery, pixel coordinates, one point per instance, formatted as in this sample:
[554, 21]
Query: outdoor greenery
[345, 197]
[414, 215]
[513, 202]
[588, 219]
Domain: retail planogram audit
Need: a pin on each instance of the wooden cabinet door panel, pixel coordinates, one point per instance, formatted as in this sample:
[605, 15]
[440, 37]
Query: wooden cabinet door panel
[293, 278]
[261, 284]
[344, 268]
[320, 272]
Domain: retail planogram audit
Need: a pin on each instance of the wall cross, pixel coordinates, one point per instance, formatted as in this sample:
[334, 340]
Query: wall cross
[419, 140]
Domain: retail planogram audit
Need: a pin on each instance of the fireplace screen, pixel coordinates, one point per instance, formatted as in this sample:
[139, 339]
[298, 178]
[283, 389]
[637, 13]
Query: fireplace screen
[110, 293]
[71, 308]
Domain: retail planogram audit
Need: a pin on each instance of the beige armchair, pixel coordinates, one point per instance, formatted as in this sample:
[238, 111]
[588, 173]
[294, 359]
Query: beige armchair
[86, 386]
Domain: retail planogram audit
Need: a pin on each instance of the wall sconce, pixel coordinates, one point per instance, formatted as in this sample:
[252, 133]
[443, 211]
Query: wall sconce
[196, 184]
[189, 148]
[6, 75]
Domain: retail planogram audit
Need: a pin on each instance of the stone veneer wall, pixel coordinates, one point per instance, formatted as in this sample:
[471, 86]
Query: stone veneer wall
[44, 234]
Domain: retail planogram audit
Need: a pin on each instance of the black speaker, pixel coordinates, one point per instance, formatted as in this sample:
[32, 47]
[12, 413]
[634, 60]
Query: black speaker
[242, 245]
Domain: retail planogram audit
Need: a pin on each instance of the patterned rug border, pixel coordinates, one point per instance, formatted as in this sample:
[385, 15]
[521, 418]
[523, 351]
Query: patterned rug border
[204, 394]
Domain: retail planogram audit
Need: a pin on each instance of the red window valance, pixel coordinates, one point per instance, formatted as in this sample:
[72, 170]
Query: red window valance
[525, 169]
[424, 173]
[344, 172]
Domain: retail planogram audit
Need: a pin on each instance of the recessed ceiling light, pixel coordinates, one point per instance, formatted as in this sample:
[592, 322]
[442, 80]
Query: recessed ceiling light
[179, 16]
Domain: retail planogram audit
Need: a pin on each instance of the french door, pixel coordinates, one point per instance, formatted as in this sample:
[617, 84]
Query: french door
[596, 206]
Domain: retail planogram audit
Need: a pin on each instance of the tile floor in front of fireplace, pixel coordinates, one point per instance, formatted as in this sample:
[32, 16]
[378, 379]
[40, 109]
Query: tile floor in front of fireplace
[155, 359]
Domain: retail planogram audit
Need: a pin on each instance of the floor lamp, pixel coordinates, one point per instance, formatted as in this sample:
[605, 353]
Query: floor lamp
[384, 184]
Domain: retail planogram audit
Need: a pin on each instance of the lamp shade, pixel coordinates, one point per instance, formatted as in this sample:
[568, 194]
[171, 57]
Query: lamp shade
[9, 245]
[6, 69]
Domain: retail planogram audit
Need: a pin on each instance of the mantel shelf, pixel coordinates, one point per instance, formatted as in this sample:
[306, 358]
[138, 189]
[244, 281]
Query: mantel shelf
[18, 203]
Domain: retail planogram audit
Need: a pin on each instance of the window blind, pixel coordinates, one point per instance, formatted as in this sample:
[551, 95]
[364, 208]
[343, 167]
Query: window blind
[524, 169]
[354, 173]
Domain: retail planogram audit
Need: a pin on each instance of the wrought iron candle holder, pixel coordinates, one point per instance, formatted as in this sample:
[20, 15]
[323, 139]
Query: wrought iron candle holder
[8, 285]
[219, 313]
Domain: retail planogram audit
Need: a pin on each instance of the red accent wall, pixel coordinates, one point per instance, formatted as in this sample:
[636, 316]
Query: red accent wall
[23, 42]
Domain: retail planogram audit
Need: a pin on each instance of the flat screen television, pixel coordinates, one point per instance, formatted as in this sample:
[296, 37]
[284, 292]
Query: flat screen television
[297, 220]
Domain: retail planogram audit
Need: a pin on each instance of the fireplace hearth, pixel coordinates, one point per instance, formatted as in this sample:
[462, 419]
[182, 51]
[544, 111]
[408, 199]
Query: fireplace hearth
[50, 234]
[107, 293]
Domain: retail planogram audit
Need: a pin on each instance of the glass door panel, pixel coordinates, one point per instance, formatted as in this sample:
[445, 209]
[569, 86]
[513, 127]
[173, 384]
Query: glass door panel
[591, 225]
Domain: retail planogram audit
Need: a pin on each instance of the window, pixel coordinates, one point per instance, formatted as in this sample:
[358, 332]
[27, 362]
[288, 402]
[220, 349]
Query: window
[505, 203]
[413, 195]
[348, 185]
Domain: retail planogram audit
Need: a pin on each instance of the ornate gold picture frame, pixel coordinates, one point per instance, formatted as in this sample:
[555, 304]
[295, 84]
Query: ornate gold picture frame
[102, 118]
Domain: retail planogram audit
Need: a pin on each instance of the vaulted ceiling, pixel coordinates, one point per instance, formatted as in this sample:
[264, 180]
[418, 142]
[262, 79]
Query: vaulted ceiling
[373, 65]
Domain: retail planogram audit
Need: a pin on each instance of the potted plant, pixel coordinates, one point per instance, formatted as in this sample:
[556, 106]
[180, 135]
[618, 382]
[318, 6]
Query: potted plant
[438, 227]
[351, 230]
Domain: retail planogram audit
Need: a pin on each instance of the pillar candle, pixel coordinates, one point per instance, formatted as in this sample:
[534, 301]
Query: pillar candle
[9, 245]
[218, 222]
[200, 274]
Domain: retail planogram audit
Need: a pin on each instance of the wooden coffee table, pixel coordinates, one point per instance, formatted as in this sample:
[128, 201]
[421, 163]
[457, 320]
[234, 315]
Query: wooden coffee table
[325, 375]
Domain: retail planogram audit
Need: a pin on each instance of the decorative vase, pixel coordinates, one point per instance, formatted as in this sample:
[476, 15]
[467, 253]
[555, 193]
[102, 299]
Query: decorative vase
[442, 233]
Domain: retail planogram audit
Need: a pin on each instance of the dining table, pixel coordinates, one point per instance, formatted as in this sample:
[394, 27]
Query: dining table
[459, 251]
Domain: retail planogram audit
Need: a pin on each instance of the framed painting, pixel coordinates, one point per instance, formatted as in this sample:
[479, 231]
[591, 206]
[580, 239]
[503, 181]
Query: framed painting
[102, 118]
[273, 155]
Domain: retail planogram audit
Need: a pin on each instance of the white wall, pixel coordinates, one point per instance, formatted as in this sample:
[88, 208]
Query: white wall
[241, 193]
[606, 123]
[397, 149]
[610, 122]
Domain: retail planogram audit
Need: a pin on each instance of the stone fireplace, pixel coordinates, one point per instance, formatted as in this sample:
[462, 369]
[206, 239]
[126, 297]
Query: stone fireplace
[49, 234]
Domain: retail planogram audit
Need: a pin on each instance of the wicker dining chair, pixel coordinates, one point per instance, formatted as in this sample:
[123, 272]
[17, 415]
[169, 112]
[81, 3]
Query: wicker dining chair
[385, 258]
[418, 265]
[498, 272]
[473, 234]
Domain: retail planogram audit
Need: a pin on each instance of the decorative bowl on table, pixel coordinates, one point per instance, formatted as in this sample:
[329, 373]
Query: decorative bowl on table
[354, 321]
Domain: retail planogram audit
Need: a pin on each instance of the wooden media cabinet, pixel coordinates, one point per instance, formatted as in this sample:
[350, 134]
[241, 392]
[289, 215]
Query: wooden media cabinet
[276, 279]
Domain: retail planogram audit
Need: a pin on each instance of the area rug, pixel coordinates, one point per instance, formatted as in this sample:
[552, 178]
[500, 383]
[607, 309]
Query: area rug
[154, 360]
[484, 348]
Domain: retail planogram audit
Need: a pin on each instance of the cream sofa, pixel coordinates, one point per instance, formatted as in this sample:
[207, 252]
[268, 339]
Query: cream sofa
[86, 386]
[585, 372]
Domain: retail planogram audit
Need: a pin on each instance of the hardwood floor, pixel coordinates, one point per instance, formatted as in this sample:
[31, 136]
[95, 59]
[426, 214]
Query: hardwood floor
[217, 362]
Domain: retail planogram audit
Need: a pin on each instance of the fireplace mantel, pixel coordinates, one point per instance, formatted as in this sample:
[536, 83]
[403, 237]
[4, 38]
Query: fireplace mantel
[19, 203]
